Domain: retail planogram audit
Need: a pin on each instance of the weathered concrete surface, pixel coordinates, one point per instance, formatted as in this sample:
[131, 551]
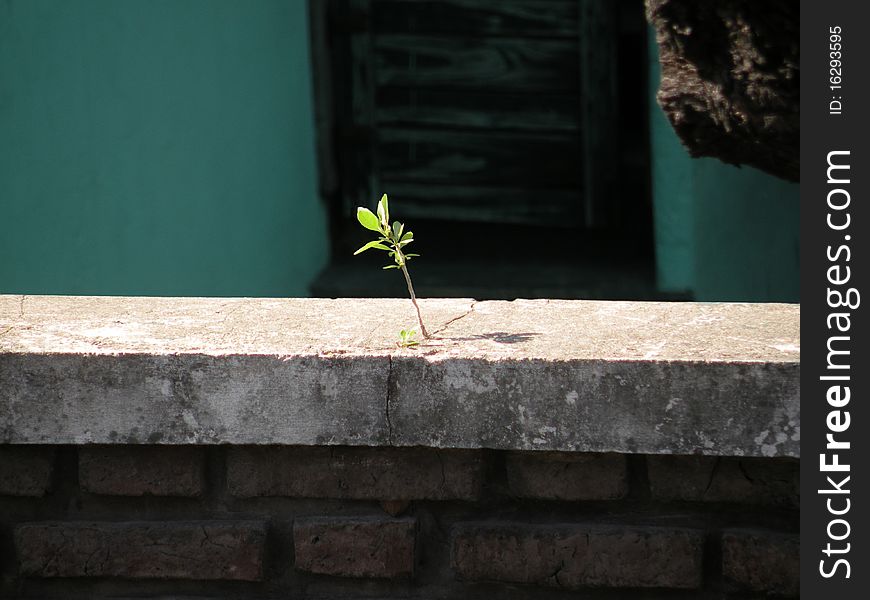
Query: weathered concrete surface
[719, 379]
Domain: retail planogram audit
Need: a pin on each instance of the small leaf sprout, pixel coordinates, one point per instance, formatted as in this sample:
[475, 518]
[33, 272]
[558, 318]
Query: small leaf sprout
[406, 338]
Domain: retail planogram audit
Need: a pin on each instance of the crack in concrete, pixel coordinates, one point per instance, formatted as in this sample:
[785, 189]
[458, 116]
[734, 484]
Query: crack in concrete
[20, 315]
[713, 473]
[454, 319]
[87, 565]
[389, 393]
[207, 540]
[443, 483]
[744, 472]
[563, 563]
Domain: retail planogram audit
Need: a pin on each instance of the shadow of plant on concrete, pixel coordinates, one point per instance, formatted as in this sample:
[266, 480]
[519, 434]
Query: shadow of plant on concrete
[502, 337]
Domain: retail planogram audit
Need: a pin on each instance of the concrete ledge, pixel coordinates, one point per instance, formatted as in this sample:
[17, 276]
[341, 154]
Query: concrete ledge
[658, 378]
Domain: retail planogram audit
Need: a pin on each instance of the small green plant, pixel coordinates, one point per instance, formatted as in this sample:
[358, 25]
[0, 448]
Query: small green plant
[393, 239]
[406, 338]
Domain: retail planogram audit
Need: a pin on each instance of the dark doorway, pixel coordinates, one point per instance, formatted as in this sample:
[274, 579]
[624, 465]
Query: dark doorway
[511, 135]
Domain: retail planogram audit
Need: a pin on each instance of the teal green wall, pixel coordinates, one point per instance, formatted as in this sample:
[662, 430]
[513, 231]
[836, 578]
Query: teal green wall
[722, 232]
[673, 204]
[157, 147]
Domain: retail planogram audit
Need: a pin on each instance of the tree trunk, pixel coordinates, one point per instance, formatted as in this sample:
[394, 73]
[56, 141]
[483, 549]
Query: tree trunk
[731, 79]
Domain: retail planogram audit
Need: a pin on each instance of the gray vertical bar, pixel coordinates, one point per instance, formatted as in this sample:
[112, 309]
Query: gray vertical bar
[833, 120]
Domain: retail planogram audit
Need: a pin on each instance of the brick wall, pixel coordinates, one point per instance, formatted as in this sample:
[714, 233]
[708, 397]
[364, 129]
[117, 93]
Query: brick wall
[339, 522]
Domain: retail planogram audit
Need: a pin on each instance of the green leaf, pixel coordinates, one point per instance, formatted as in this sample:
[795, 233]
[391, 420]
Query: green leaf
[408, 235]
[367, 219]
[384, 212]
[406, 338]
[410, 255]
[373, 244]
[391, 267]
[397, 230]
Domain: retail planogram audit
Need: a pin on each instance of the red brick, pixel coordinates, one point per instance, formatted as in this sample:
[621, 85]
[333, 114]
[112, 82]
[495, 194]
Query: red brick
[574, 556]
[760, 481]
[26, 470]
[762, 562]
[142, 550]
[356, 547]
[142, 470]
[354, 473]
[566, 475]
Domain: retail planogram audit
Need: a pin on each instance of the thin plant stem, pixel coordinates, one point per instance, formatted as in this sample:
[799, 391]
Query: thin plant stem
[414, 298]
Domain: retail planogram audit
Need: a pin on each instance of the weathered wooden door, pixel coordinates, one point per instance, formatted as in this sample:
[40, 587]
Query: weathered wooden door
[490, 110]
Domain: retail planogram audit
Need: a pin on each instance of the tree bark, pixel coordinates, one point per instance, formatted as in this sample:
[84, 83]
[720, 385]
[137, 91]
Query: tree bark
[731, 79]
